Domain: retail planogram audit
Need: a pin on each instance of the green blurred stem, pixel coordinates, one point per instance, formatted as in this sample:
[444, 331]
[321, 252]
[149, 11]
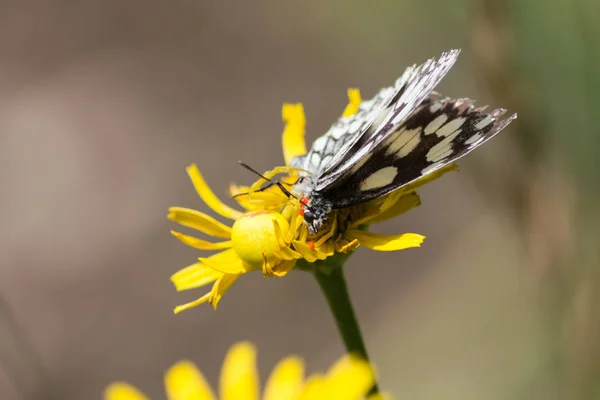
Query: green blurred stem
[333, 285]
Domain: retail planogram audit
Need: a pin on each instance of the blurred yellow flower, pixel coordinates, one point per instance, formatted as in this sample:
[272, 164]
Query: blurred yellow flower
[348, 379]
[271, 236]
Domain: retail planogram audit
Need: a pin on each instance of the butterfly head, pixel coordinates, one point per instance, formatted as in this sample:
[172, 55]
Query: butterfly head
[315, 210]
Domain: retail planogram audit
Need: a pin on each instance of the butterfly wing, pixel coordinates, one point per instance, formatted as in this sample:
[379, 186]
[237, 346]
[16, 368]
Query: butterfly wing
[343, 133]
[410, 90]
[351, 137]
[437, 133]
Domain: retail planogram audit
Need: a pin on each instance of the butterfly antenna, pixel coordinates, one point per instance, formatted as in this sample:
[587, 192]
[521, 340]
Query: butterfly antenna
[279, 184]
[262, 189]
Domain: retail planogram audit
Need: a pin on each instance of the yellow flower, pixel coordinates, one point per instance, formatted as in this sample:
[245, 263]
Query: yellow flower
[271, 236]
[348, 379]
[258, 239]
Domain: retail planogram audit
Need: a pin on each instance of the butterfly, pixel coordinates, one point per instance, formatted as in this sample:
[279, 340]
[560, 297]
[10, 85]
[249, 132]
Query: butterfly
[403, 133]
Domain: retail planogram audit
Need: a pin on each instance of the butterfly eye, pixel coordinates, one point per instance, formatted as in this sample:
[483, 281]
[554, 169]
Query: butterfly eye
[309, 217]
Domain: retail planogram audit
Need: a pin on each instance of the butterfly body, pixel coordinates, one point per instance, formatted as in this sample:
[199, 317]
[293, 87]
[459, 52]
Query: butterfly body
[404, 133]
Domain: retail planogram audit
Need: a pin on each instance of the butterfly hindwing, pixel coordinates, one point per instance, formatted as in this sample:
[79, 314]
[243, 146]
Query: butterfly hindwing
[437, 133]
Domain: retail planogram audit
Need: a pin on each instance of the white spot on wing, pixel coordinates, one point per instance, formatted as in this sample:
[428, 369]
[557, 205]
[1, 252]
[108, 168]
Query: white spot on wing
[319, 144]
[474, 138]
[443, 149]
[435, 107]
[329, 146]
[337, 132]
[315, 159]
[380, 178]
[326, 160]
[442, 154]
[435, 124]
[404, 142]
[355, 126]
[484, 122]
[451, 126]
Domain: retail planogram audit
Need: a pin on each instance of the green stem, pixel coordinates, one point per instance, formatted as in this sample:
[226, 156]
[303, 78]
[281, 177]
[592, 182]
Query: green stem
[333, 285]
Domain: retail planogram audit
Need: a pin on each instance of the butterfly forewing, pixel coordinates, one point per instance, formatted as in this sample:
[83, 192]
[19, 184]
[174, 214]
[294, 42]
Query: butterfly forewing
[342, 133]
[437, 133]
[410, 90]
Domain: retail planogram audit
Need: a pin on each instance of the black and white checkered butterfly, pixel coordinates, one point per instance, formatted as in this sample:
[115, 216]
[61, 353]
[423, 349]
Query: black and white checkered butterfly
[402, 134]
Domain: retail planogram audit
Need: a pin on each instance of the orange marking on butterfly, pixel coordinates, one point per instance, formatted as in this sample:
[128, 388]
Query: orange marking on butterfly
[303, 203]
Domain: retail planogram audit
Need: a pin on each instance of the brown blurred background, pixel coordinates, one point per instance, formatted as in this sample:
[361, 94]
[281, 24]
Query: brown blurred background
[103, 104]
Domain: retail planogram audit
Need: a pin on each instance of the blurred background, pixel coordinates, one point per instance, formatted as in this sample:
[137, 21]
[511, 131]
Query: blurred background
[104, 103]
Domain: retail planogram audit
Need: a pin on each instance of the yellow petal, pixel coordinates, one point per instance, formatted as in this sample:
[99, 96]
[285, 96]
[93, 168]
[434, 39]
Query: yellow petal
[193, 276]
[354, 101]
[430, 177]
[184, 381]
[293, 134]
[350, 378]
[267, 198]
[271, 174]
[235, 189]
[327, 248]
[291, 179]
[281, 269]
[343, 245]
[316, 388]
[291, 213]
[240, 194]
[208, 196]
[374, 241]
[287, 254]
[305, 251]
[193, 304]
[279, 229]
[328, 235]
[400, 206]
[373, 208]
[308, 253]
[123, 391]
[239, 376]
[199, 221]
[221, 286]
[226, 262]
[286, 380]
[199, 243]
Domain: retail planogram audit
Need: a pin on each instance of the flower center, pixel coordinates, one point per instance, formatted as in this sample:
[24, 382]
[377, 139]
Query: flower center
[254, 237]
